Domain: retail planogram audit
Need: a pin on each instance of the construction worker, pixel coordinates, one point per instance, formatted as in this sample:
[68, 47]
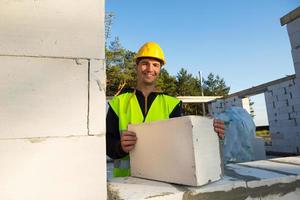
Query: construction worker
[138, 105]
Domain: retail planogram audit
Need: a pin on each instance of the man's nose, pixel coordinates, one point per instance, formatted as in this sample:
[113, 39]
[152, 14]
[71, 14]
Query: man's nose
[149, 67]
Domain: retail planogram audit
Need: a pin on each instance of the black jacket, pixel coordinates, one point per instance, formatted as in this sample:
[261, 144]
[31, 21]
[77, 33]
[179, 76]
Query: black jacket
[113, 144]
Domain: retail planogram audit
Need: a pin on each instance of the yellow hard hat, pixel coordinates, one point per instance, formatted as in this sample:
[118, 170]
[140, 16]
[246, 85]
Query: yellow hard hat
[152, 50]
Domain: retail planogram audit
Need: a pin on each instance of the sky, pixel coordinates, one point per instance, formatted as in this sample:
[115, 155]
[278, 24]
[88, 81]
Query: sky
[241, 41]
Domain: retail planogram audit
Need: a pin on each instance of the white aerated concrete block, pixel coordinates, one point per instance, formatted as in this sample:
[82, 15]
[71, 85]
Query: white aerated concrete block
[97, 97]
[43, 97]
[52, 28]
[183, 150]
[69, 168]
[296, 55]
[295, 39]
[293, 26]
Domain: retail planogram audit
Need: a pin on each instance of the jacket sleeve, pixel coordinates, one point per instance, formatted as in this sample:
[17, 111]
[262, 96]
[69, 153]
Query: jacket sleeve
[177, 111]
[113, 140]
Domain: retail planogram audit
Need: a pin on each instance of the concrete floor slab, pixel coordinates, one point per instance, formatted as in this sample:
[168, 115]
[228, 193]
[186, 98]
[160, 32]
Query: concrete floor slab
[243, 183]
[288, 160]
[281, 168]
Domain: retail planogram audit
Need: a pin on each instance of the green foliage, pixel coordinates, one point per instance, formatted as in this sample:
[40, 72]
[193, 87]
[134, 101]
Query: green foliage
[215, 86]
[186, 84]
[108, 25]
[166, 83]
[120, 68]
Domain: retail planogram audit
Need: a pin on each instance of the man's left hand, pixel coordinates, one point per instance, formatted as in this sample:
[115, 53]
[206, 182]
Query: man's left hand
[219, 128]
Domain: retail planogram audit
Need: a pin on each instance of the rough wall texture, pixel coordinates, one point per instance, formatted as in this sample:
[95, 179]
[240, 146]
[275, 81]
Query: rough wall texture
[52, 100]
[283, 102]
[52, 28]
[283, 108]
[219, 106]
[267, 179]
[294, 35]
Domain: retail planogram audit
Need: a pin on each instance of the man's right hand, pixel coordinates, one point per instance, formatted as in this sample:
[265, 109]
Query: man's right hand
[128, 141]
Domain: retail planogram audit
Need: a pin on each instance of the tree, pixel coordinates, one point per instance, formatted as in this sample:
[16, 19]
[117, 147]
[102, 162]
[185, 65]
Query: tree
[166, 83]
[108, 25]
[186, 84]
[215, 86]
[120, 70]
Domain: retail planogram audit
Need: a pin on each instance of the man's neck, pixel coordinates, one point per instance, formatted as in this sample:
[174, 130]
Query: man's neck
[146, 89]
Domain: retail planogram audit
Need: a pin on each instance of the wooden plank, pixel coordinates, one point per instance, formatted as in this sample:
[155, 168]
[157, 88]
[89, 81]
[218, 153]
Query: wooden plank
[294, 14]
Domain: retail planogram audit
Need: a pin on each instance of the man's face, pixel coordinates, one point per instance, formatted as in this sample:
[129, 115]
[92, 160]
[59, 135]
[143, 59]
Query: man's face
[148, 70]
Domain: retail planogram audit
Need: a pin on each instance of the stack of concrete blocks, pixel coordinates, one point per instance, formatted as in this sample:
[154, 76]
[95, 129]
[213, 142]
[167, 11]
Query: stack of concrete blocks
[219, 106]
[283, 108]
[52, 100]
[293, 28]
[283, 100]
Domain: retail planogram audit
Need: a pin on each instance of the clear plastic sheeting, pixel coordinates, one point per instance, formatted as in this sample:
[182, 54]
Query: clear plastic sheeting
[239, 134]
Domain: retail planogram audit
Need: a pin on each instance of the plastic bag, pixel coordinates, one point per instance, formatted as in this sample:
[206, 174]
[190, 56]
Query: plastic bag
[239, 134]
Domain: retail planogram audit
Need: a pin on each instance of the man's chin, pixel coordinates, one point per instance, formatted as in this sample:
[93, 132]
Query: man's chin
[149, 82]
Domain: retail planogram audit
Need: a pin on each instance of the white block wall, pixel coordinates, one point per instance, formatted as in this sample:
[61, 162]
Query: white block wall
[219, 106]
[293, 29]
[283, 108]
[52, 100]
[283, 102]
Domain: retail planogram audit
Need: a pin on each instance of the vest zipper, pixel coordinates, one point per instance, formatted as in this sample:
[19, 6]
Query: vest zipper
[146, 108]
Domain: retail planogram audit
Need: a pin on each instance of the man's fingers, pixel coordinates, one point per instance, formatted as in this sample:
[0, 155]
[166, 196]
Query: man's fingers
[220, 126]
[129, 138]
[218, 122]
[128, 148]
[128, 143]
[128, 133]
[219, 131]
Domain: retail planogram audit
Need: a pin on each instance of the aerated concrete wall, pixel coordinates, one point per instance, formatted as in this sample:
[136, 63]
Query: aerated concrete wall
[52, 100]
[219, 105]
[283, 108]
[283, 100]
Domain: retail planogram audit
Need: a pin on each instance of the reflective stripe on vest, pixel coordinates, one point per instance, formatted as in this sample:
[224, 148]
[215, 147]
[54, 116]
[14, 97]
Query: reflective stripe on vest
[127, 108]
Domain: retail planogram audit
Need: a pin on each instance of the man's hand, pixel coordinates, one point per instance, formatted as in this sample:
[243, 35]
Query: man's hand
[128, 141]
[219, 128]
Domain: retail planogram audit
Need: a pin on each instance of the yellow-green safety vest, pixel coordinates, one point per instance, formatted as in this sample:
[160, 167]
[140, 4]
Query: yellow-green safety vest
[127, 108]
